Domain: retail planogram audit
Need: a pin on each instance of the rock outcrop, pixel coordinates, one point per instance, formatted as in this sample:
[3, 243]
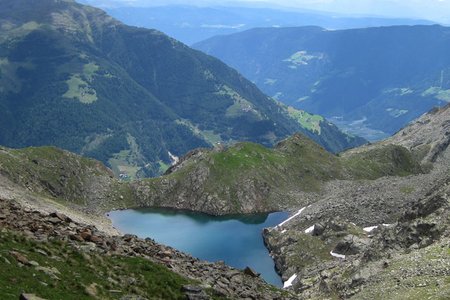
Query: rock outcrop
[359, 236]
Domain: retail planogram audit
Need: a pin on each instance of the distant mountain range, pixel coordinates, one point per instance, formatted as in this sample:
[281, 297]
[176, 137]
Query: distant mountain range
[191, 24]
[73, 77]
[371, 81]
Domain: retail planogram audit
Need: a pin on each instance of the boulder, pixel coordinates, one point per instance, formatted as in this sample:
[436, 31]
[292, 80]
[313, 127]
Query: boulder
[86, 235]
[54, 221]
[194, 292]
[20, 257]
[29, 297]
[193, 289]
[318, 229]
[351, 245]
[249, 271]
[96, 239]
[60, 216]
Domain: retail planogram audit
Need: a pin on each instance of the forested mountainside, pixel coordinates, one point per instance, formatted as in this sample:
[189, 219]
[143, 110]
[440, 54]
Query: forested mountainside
[372, 81]
[73, 77]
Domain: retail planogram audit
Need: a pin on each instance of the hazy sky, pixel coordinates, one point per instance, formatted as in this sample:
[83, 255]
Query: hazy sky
[437, 10]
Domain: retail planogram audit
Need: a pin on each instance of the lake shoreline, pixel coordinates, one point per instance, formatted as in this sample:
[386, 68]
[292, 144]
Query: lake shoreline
[235, 239]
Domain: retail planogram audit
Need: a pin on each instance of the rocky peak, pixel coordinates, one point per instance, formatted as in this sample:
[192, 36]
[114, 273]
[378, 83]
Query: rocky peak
[431, 131]
[297, 142]
[191, 157]
[427, 137]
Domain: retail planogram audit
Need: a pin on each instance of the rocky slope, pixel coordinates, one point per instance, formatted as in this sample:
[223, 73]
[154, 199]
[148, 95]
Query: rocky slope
[70, 260]
[384, 238]
[59, 176]
[73, 77]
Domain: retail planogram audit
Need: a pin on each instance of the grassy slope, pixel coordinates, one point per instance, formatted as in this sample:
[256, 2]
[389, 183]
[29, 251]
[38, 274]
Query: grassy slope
[247, 173]
[245, 177]
[76, 273]
[309, 162]
[55, 172]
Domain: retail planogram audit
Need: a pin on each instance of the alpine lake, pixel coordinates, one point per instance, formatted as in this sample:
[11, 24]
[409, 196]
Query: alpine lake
[235, 239]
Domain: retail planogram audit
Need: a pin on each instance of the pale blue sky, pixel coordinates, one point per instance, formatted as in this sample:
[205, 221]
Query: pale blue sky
[437, 10]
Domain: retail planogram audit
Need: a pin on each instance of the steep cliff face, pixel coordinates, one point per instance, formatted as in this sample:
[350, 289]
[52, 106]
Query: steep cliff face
[374, 239]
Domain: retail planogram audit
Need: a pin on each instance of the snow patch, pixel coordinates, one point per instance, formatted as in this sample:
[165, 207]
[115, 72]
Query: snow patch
[337, 255]
[310, 229]
[175, 159]
[370, 229]
[290, 218]
[288, 282]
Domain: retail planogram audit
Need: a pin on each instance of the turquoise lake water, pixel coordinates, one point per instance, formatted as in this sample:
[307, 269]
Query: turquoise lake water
[236, 240]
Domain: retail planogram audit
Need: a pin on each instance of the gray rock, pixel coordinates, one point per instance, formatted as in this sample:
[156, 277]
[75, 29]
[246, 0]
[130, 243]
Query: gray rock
[34, 263]
[319, 228]
[193, 289]
[20, 257]
[29, 297]
[60, 216]
[351, 245]
[54, 220]
[194, 292]
[251, 272]
[52, 272]
[40, 251]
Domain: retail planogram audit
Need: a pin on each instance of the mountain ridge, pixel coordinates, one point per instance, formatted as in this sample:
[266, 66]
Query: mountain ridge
[371, 80]
[126, 96]
[191, 24]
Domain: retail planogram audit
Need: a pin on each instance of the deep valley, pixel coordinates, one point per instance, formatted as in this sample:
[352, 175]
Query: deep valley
[134, 167]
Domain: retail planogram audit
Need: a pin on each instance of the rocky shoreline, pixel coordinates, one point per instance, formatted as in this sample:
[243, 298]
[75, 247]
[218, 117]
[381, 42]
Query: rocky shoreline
[36, 202]
[354, 234]
[339, 258]
[223, 280]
